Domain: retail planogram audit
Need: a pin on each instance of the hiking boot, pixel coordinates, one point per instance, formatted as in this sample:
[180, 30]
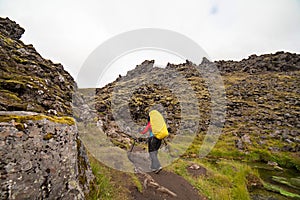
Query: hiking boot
[152, 169]
[157, 170]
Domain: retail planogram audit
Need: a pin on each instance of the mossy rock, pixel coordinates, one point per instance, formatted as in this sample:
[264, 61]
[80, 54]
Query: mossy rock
[9, 95]
[295, 182]
[20, 126]
[280, 190]
[23, 119]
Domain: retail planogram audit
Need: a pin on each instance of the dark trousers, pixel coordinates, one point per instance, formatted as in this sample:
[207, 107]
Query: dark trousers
[153, 146]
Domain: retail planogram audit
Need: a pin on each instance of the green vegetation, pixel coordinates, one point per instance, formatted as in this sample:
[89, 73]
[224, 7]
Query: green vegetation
[224, 179]
[228, 174]
[48, 136]
[119, 144]
[137, 182]
[102, 187]
[24, 87]
[21, 60]
[22, 119]
[7, 40]
[110, 184]
[9, 95]
[280, 190]
[284, 159]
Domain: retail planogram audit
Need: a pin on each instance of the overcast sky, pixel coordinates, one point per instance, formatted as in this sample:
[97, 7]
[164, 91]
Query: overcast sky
[67, 31]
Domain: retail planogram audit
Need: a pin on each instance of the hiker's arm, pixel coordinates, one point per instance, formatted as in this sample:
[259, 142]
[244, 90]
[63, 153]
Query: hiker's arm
[147, 128]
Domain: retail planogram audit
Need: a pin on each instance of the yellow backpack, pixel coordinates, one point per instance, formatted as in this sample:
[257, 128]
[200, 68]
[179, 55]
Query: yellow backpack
[158, 125]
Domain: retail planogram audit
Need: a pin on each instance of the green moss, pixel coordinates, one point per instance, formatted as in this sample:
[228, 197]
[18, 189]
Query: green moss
[282, 158]
[137, 182]
[295, 181]
[119, 144]
[11, 100]
[48, 136]
[22, 119]
[227, 154]
[14, 82]
[7, 40]
[9, 95]
[82, 165]
[280, 190]
[22, 60]
[281, 180]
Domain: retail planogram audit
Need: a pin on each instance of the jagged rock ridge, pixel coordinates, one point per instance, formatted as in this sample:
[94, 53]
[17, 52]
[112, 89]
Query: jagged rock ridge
[278, 62]
[262, 93]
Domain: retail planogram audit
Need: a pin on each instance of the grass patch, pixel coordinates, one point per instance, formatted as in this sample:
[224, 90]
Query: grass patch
[137, 182]
[225, 148]
[101, 187]
[110, 184]
[225, 179]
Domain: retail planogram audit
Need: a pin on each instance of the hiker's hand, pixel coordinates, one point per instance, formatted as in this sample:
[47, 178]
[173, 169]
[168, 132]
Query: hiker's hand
[133, 136]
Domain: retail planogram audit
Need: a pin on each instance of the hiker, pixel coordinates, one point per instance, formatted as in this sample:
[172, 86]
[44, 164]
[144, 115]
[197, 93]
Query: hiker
[157, 131]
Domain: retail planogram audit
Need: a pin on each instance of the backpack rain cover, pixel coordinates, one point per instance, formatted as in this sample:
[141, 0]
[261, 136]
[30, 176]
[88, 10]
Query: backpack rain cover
[158, 125]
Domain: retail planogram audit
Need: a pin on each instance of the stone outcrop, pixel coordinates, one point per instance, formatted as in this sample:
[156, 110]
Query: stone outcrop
[278, 62]
[41, 154]
[11, 29]
[28, 81]
[41, 158]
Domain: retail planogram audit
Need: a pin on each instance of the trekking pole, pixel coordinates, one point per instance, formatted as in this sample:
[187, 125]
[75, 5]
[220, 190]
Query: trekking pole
[166, 147]
[131, 148]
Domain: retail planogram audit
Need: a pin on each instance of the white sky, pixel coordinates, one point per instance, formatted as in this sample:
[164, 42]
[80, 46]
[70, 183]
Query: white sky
[67, 31]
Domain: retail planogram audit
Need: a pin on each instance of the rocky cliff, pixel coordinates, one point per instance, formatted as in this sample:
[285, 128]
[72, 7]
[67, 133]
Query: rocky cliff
[41, 155]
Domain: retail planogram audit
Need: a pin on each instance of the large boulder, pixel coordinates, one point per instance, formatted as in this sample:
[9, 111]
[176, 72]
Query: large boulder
[41, 154]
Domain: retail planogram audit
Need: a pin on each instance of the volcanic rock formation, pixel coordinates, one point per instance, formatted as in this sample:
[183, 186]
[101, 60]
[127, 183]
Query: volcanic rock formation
[41, 155]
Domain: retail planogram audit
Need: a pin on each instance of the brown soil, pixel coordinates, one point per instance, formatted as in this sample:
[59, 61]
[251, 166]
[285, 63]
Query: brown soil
[172, 182]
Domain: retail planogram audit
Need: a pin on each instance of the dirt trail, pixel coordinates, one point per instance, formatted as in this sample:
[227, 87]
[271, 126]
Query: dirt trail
[164, 185]
[172, 182]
